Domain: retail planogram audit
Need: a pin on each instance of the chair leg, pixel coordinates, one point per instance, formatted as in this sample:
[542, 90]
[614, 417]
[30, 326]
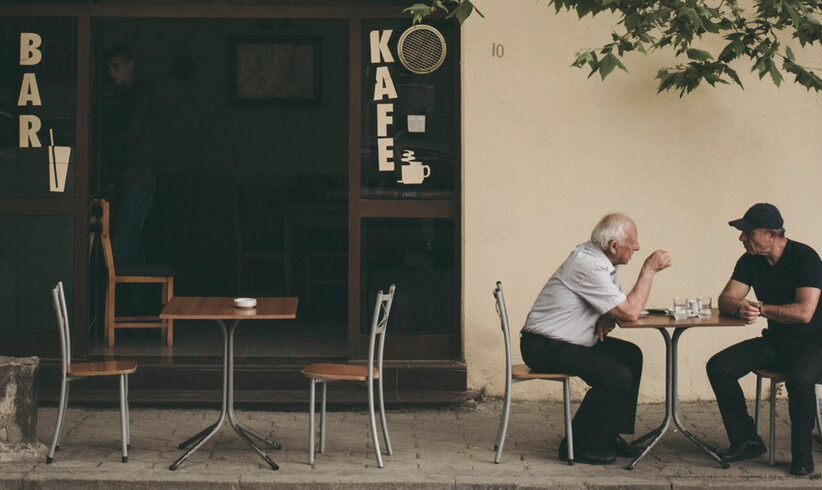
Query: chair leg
[109, 322]
[772, 436]
[58, 427]
[818, 414]
[503, 421]
[384, 422]
[758, 399]
[311, 401]
[322, 420]
[123, 418]
[569, 433]
[168, 330]
[128, 418]
[373, 422]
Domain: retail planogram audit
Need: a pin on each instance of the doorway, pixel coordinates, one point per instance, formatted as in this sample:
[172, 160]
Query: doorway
[252, 181]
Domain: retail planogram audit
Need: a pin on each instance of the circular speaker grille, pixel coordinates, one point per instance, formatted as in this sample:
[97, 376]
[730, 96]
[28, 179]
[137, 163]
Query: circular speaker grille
[421, 49]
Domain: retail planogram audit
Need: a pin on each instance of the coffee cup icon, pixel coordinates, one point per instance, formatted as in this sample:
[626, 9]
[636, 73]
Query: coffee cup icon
[58, 166]
[414, 173]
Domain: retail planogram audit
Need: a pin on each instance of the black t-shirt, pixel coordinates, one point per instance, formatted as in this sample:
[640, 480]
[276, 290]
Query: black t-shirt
[798, 267]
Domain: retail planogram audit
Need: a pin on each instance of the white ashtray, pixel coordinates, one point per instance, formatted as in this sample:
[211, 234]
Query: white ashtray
[245, 302]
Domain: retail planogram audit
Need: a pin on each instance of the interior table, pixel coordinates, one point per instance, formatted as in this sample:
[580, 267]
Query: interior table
[220, 310]
[662, 323]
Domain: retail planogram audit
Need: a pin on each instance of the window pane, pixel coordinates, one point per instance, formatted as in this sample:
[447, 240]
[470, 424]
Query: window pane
[38, 98]
[418, 256]
[408, 119]
[39, 255]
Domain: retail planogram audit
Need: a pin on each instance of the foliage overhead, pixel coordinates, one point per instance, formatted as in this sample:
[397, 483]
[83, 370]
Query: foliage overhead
[756, 32]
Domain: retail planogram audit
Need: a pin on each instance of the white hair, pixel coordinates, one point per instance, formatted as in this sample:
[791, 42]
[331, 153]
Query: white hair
[612, 227]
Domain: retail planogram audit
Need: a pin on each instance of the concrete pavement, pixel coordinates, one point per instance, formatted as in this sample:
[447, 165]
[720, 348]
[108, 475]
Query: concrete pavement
[433, 448]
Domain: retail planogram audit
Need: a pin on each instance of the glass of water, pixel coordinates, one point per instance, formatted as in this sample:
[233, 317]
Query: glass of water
[704, 307]
[680, 308]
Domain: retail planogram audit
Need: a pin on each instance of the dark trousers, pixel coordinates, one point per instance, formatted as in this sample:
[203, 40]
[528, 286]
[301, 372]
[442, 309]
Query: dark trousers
[800, 359]
[127, 235]
[612, 368]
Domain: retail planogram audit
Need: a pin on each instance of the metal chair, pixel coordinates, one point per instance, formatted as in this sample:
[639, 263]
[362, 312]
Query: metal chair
[79, 370]
[325, 373]
[521, 372]
[777, 377]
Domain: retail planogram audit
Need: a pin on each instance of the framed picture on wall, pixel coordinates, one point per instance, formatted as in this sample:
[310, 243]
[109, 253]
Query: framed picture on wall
[275, 71]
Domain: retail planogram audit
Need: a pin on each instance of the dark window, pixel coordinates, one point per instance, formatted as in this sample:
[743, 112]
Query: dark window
[418, 256]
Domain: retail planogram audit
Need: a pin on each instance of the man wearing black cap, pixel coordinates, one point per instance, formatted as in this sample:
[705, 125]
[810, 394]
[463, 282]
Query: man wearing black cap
[787, 279]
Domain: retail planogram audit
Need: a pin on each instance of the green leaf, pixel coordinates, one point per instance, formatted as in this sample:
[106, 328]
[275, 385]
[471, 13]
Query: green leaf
[689, 12]
[462, 11]
[775, 75]
[698, 54]
[608, 63]
[419, 11]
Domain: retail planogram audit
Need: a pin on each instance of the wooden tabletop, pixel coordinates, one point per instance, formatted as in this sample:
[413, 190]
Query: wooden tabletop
[658, 321]
[211, 308]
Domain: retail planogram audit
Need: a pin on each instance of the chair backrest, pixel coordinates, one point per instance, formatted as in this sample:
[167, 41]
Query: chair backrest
[105, 237]
[502, 313]
[379, 323]
[58, 295]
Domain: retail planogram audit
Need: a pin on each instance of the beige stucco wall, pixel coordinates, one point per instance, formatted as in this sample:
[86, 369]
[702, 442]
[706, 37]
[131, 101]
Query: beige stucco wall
[547, 152]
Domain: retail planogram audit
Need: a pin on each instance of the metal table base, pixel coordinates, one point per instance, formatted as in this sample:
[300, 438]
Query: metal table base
[227, 409]
[671, 411]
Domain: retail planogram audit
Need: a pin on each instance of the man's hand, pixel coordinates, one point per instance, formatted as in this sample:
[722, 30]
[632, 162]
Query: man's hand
[604, 325]
[748, 311]
[658, 260]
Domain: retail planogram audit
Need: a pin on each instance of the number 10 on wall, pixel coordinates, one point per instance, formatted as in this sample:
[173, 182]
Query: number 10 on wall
[497, 50]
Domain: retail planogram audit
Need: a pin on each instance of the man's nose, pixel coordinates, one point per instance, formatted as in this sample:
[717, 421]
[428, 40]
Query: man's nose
[742, 237]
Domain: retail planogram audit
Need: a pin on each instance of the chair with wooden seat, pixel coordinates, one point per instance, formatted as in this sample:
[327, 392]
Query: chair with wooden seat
[777, 377]
[73, 371]
[521, 372]
[133, 274]
[326, 373]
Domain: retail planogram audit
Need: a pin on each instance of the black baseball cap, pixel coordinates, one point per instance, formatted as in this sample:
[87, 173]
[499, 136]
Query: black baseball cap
[760, 215]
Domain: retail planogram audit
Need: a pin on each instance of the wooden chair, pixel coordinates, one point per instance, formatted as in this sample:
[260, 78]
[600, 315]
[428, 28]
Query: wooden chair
[133, 274]
[521, 372]
[777, 377]
[326, 373]
[79, 370]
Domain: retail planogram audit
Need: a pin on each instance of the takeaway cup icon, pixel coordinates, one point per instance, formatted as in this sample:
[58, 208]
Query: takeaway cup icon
[58, 165]
[414, 173]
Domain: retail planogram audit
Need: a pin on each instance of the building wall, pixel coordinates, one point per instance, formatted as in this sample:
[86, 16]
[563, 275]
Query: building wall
[548, 151]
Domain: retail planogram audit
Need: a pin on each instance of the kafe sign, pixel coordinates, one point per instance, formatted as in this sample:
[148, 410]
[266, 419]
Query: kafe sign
[31, 55]
[412, 171]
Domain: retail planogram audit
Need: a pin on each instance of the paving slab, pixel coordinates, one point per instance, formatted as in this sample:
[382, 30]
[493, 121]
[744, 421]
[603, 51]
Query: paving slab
[432, 449]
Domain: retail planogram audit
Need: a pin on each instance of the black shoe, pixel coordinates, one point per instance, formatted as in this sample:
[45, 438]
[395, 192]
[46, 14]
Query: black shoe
[744, 450]
[622, 448]
[587, 456]
[802, 467]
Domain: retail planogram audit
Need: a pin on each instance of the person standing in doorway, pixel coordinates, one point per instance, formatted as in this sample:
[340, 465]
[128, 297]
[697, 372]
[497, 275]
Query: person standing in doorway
[129, 133]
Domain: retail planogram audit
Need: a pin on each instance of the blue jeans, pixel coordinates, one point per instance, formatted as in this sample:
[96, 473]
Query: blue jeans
[127, 235]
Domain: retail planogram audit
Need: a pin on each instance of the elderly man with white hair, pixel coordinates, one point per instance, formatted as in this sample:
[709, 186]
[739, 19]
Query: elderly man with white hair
[566, 331]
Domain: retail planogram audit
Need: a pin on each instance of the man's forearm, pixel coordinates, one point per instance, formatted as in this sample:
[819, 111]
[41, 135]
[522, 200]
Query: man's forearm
[790, 313]
[729, 305]
[638, 297]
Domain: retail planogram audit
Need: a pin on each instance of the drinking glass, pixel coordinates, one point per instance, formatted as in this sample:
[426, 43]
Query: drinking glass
[680, 308]
[704, 307]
